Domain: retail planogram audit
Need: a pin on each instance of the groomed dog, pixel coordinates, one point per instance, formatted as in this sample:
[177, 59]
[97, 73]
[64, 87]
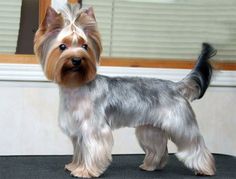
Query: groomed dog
[68, 46]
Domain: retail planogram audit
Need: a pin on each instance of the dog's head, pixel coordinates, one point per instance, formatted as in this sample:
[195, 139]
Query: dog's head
[68, 45]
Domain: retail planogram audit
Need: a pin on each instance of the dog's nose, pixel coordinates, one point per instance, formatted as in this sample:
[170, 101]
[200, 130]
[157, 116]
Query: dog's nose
[76, 61]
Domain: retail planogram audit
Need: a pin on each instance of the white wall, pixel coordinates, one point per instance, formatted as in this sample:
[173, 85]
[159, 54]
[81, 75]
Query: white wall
[28, 120]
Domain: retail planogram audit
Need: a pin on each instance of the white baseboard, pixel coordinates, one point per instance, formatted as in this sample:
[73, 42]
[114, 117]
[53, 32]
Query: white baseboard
[30, 72]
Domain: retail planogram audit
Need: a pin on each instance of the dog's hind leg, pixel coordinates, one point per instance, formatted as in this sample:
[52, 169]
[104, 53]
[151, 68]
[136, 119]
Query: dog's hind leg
[154, 143]
[183, 130]
[195, 155]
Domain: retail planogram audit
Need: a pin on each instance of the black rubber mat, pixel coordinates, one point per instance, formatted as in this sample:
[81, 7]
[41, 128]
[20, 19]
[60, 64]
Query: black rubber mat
[123, 166]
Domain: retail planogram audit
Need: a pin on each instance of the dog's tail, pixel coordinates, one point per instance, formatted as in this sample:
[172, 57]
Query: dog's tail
[194, 85]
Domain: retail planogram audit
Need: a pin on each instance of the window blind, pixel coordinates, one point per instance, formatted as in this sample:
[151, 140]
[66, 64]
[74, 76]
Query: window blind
[173, 29]
[104, 15]
[166, 29]
[10, 12]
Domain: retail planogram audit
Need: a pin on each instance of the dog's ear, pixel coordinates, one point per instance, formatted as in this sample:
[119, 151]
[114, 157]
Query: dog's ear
[90, 12]
[52, 20]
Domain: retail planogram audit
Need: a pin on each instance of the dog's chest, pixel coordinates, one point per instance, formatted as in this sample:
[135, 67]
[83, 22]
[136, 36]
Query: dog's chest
[75, 110]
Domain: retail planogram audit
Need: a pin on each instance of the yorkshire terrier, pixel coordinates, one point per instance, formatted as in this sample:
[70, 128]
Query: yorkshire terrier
[68, 46]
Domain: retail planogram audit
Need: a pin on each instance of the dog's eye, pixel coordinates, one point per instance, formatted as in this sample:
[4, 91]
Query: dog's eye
[85, 46]
[62, 47]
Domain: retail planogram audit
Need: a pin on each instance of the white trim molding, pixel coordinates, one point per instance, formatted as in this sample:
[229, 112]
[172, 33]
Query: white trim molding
[33, 73]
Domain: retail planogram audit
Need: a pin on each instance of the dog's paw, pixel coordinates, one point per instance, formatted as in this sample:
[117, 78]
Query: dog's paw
[197, 173]
[81, 172]
[70, 167]
[147, 168]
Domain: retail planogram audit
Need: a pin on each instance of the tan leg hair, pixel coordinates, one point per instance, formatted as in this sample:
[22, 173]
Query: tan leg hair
[74, 163]
[154, 143]
[94, 153]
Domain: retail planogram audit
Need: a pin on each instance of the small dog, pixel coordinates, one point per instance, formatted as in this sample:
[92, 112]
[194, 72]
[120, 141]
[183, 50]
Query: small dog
[68, 46]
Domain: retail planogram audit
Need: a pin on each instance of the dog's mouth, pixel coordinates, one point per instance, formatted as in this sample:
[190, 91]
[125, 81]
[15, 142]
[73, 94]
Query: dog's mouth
[75, 69]
[71, 69]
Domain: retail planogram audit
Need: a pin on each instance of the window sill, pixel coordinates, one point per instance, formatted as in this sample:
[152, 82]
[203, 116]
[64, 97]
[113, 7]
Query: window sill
[33, 72]
[127, 62]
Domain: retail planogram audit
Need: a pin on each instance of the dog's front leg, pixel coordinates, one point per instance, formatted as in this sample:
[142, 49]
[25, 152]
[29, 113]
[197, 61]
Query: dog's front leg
[95, 147]
[76, 155]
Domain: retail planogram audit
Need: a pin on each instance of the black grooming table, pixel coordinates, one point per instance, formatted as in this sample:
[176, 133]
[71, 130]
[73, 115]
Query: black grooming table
[123, 166]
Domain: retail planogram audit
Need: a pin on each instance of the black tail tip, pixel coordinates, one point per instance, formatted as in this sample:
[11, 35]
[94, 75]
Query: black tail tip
[208, 49]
